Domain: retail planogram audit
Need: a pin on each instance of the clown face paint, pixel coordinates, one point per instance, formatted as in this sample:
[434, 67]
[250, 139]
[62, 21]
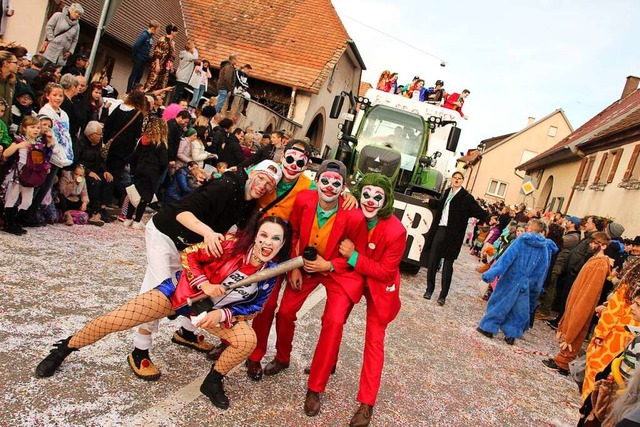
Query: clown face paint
[258, 185]
[330, 185]
[293, 164]
[371, 200]
[268, 242]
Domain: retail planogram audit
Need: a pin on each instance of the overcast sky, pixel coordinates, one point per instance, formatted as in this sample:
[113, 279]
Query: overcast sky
[518, 59]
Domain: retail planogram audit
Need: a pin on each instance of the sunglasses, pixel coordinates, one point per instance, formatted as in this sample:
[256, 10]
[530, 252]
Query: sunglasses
[300, 163]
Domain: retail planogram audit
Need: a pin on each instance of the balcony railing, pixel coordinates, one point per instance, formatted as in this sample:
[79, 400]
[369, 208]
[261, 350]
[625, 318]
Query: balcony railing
[630, 184]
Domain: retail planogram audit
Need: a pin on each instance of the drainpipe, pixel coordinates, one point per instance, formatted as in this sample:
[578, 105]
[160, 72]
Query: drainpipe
[96, 39]
[292, 104]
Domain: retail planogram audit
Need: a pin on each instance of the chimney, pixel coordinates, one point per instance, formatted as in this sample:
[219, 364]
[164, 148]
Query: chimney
[530, 120]
[630, 86]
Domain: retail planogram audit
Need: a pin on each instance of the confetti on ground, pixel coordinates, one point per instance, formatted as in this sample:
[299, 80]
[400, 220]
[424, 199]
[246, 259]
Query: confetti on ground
[439, 370]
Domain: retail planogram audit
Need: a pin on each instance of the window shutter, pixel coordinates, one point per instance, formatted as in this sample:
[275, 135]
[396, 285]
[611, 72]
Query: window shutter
[614, 165]
[632, 163]
[587, 172]
[580, 171]
[596, 180]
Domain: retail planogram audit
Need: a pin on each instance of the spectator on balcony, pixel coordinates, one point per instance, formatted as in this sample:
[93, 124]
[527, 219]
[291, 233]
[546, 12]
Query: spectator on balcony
[416, 90]
[61, 34]
[162, 60]
[226, 80]
[385, 77]
[392, 84]
[188, 58]
[455, 101]
[141, 51]
[242, 86]
[435, 94]
[199, 82]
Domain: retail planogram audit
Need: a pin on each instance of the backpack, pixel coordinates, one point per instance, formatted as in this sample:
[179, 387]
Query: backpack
[34, 172]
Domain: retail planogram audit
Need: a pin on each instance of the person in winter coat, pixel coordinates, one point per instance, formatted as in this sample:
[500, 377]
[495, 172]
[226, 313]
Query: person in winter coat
[99, 180]
[8, 70]
[183, 182]
[522, 269]
[125, 125]
[231, 151]
[226, 80]
[62, 32]
[151, 161]
[141, 50]
[188, 57]
[446, 234]
[581, 304]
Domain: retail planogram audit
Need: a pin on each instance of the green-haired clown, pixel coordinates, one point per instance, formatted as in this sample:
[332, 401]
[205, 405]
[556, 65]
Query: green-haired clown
[375, 193]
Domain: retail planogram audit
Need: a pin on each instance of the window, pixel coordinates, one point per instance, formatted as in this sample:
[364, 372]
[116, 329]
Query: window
[497, 188]
[527, 155]
[582, 178]
[553, 131]
[633, 168]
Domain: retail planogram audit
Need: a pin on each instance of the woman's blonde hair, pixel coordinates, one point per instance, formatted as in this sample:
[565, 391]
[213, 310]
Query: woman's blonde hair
[156, 131]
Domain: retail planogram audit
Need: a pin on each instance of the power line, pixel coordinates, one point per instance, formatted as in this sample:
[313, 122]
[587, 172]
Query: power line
[442, 61]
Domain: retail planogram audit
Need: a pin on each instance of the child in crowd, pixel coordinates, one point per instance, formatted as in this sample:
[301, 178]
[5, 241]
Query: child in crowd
[221, 167]
[522, 269]
[23, 105]
[29, 170]
[73, 197]
[183, 182]
[581, 304]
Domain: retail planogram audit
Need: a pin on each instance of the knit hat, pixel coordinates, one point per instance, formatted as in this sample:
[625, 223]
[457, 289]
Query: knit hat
[615, 230]
[334, 166]
[190, 131]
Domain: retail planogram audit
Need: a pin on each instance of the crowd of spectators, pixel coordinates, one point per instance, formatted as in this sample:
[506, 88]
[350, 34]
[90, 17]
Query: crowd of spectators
[582, 277]
[107, 156]
[435, 95]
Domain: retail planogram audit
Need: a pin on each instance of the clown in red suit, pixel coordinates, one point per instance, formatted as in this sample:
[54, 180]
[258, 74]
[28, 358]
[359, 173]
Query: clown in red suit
[380, 266]
[318, 219]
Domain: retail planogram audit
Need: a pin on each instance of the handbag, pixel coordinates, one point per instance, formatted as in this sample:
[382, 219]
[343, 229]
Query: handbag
[44, 46]
[104, 150]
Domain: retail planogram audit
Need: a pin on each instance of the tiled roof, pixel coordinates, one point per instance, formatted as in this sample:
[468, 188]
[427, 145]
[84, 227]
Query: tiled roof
[133, 16]
[294, 43]
[630, 121]
[364, 87]
[612, 119]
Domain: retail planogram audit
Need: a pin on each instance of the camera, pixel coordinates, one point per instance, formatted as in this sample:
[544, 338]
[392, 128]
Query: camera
[443, 64]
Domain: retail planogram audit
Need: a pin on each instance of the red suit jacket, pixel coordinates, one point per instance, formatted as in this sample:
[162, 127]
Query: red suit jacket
[380, 264]
[348, 224]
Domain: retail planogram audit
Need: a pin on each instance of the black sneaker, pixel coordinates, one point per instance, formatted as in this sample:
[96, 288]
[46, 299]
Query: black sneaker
[510, 341]
[553, 323]
[54, 359]
[485, 333]
[213, 388]
[427, 295]
[551, 364]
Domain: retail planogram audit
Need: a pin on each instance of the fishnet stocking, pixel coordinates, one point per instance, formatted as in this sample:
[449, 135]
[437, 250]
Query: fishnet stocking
[242, 341]
[143, 308]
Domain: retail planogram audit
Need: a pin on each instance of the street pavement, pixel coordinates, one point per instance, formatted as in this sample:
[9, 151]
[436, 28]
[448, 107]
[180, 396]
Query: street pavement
[438, 370]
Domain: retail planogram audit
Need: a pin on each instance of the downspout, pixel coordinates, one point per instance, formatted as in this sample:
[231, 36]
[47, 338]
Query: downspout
[292, 104]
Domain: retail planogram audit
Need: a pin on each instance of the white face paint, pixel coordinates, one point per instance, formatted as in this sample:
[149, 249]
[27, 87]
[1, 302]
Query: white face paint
[268, 241]
[371, 200]
[293, 164]
[330, 185]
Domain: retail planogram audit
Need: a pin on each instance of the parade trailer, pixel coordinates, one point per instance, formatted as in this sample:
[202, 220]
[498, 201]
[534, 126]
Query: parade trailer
[409, 141]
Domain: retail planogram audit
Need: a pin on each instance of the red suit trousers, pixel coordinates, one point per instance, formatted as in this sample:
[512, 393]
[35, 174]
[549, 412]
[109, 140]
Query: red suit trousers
[337, 308]
[373, 360]
[261, 324]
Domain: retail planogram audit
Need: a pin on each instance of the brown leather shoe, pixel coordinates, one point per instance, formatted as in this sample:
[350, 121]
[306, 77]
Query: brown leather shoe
[312, 403]
[275, 367]
[254, 370]
[362, 417]
[217, 350]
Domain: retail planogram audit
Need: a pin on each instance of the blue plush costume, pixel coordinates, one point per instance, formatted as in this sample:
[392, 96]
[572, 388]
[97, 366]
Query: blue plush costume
[522, 269]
